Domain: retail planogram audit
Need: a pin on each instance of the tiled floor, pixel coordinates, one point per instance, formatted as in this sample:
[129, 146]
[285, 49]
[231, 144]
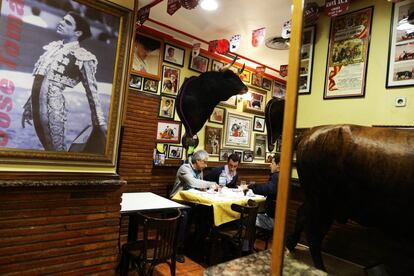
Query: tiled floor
[189, 267]
[334, 265]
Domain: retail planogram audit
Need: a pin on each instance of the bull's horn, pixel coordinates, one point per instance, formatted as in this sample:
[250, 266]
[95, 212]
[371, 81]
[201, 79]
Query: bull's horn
[241, 69]
[227, 67]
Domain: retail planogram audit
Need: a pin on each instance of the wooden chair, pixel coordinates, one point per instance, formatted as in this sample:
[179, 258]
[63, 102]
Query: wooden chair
[158, 245]
[238, 232]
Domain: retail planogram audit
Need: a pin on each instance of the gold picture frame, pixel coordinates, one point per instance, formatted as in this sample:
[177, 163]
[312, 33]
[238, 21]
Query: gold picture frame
[256, 103]
[85, 135]
[151, 66]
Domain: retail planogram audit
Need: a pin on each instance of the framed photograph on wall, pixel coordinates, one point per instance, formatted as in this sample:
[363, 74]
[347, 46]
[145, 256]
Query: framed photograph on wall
[224, 154]
[239, 154]
[212, 138]
[348, 54]
[170, 80]
[266, 84]
[135, 82]
[218, 115]
[259, 146]
[245, 76]
[269, 157]
[168, 132]
[259, 124]
[279, 89]
[199, 63]
[256, 81]
[257, 102]
[175, 152]
[248, 156]
[79, 134]
[238, 131]
[167, 107]
[147, 56]
[306, 59]
[216, 65]
[150, 85]
[401, 49]
[174, 55]
[231, 102]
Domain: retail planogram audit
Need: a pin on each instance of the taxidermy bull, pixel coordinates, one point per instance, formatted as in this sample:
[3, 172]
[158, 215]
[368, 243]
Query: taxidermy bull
[199, 95]
[354, 172]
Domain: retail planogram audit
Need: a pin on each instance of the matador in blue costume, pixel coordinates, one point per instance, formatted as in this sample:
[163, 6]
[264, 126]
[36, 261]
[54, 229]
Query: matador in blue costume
[64, 64]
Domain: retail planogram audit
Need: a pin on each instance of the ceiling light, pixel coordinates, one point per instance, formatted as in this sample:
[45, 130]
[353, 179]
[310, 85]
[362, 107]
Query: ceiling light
[209, 5]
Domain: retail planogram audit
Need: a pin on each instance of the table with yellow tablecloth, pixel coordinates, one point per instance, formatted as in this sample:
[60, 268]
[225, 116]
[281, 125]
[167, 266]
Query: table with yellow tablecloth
[220, 201]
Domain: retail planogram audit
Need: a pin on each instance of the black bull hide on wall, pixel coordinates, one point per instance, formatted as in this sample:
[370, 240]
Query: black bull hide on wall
[199, 95]
[354, 172]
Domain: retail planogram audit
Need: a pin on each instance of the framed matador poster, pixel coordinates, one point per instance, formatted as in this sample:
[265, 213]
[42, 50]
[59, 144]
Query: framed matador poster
[62, 71]
[348, 54]
[238, 131]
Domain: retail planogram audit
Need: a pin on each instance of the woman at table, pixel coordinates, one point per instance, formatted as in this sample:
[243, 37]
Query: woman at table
[269, 190]
[230, 169]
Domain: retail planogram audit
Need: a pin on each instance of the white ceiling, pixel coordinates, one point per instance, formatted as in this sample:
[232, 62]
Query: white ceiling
[232, 17]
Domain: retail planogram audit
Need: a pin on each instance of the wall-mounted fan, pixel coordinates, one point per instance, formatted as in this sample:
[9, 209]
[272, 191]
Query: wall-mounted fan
[280, 42]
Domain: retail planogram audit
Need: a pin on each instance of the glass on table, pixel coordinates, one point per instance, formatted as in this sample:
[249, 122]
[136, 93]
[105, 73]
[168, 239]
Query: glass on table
[244, 186]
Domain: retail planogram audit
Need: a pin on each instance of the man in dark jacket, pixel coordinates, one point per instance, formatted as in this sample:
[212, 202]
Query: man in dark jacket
[269, 190]
[229, 169]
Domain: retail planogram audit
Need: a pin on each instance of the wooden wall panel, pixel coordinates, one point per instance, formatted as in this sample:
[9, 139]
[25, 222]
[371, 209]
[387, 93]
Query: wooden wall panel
[59, 230]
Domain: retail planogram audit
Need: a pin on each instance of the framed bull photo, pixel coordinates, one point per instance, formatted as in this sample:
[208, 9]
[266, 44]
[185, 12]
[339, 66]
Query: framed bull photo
[168, 132]
[256, 103]
[401, 48]
[77, 127]
[175, 152]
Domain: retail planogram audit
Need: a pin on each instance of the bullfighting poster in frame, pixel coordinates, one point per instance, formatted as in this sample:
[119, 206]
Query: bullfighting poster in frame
[348, 54]
[401, 49]
[63, 74]
[238, 131]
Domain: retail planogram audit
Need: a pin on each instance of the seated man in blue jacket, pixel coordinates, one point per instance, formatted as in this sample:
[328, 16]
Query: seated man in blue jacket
[230, 170]
[269, 190]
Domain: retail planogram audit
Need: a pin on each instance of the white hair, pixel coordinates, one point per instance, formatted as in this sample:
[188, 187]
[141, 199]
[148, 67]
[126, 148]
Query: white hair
[199, 155]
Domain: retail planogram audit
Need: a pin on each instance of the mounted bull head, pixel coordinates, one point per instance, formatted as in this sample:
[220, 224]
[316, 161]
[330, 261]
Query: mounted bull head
[199, 95]
[274, 121]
